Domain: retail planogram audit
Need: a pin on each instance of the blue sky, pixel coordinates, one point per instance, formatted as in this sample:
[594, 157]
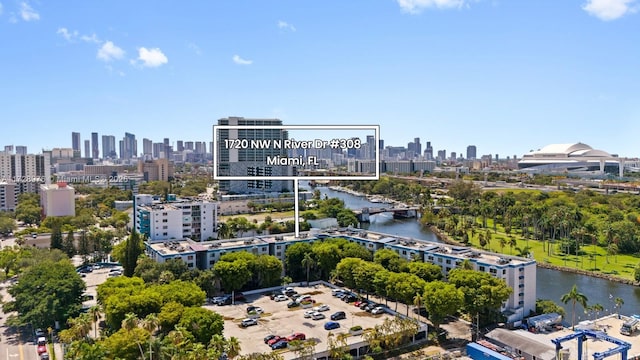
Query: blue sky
[507, 76]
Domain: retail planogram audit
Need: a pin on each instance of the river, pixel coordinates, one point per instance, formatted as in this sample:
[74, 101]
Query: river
[551, 284]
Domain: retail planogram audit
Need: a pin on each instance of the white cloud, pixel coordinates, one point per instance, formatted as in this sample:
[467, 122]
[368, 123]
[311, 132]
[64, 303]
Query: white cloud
[286, 26]
[90, 38]
[0, 8]
[152, 57]
[416, 6]
[195, 48]
[68, 35]
[610, 9]
[240, 61]
[109, 51]
[27, 13]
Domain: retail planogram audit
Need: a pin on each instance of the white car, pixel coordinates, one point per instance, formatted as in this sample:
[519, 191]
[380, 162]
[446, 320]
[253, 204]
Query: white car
[280, 298]
[309, 313]
[321, 308]
[377, 311]
[317, 316]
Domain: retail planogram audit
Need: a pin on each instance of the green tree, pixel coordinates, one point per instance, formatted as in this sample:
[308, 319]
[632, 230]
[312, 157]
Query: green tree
[68, 244]
[56, 238]
[47, 292]
[389, 259]
[7, 224]
[545, 306]
[133, 249]
[441, 300]
[426, 271]
[202, 323]
[574, 297]
[233, 275]
[293, 260]
[308, 262]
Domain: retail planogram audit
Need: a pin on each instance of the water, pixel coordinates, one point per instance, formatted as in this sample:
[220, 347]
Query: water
[551, 284]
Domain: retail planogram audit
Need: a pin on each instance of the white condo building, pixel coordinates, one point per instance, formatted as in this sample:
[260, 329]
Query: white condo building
[176, 219]
[519, 273]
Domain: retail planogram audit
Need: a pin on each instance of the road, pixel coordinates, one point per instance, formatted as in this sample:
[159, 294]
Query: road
[15, 344]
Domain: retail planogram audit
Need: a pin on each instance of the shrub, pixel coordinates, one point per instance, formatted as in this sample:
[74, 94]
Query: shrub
[355, 328]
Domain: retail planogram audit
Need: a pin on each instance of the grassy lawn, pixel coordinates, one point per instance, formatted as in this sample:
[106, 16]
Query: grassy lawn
[595, 258]
[259, 217]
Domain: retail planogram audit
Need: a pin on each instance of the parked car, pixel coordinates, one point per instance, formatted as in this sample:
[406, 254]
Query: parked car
[308, 313]
[279, 345]
[293, 304]
[39, 333]
[377, 310]
[303, 298]
[358, 302]
[256, 309]
[317, 315]
[269, 337]
[249, 322]
[280, 298]
[330, 325]
[336, 292]
[274, 340]
[324, 307]
[296, 336]
[350, 298]
[44, 356]
[338, 315]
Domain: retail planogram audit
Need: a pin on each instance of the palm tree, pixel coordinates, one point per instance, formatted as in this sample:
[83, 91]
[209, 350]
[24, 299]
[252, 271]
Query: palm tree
[150, 323]
[417, 300]
[94, 312]
[233, 347]
[619, 302]
[597, 308]
[574, 297]
[308, 262]
[512, 243]
[502, 242]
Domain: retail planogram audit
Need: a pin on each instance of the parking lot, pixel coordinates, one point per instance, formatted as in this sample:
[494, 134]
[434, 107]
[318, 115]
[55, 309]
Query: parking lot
[278, 319]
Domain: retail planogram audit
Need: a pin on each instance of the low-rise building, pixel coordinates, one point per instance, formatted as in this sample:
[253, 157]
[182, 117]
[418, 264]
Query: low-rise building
[518, 273]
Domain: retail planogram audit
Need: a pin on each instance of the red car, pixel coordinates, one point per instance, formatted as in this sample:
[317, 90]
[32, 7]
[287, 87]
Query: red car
[296, 336]
[357, 303]
[42, 349]
[274, 340]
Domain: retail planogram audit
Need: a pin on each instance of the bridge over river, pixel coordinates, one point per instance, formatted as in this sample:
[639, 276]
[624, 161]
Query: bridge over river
[398, 212]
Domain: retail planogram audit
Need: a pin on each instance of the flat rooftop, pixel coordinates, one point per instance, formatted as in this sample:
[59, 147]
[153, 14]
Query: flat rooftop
[172, 247]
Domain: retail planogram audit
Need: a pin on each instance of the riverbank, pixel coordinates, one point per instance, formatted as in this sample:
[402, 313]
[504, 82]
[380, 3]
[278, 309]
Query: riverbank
[446, 239]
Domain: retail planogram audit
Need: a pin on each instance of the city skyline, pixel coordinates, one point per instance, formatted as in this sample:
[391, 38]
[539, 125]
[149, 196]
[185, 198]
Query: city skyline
[456, 72]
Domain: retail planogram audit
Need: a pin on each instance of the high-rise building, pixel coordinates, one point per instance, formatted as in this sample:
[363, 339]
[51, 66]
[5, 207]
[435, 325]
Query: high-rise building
[57, 199]
[109, 146]
[428, 151]
[180, 145]
[250, 161]
[371, 142]
[26, 171]
[442, 155]
[87, 148]
[188, 145]
[75, 144]
[418, 146]
[8, 149]
[471, 152]
[158, 150]
[201, 147]
[167, 148]
[147, 147]
[156, 170]
[128, 146]
[21, 150]
[95, 150]
[454, 155]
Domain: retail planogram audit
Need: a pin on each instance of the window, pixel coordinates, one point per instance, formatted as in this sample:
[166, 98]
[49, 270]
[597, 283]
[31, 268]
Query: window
[439, 260]
[164, 234]
[492, 271]
[165, 227]
[163, 220]
[448, 261]
[278, 253]
[521, 269]
[504, 271]
[404, 252]
[278, 247]
[481, 268]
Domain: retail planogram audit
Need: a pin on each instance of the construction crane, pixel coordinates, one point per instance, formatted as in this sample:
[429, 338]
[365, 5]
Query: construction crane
[622, 348]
